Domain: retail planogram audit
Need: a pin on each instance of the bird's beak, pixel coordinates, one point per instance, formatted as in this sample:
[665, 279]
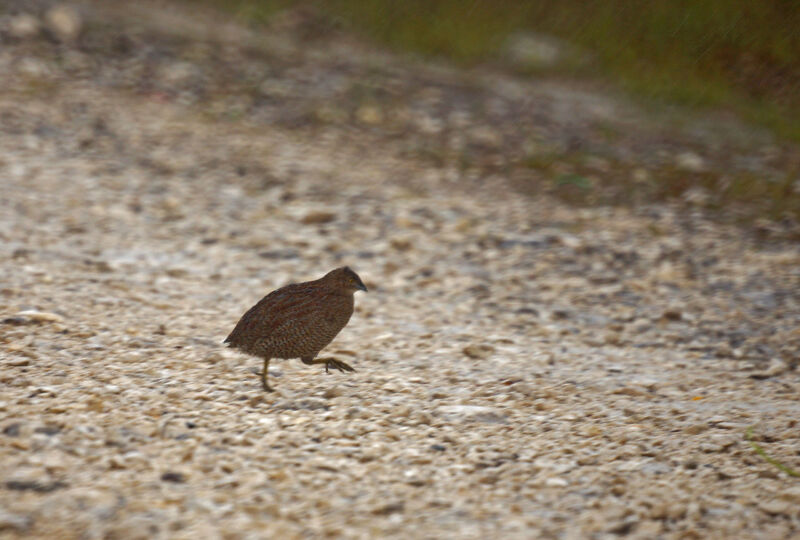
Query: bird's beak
[361, 287]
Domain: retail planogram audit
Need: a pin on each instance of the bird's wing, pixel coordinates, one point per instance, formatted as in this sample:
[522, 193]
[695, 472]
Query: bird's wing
[285, 306]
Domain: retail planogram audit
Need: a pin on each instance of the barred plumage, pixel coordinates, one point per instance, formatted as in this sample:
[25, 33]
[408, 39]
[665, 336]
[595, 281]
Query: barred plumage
[298, 320]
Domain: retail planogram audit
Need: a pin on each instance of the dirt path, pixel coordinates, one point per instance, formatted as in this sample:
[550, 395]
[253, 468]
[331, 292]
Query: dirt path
[525, 368]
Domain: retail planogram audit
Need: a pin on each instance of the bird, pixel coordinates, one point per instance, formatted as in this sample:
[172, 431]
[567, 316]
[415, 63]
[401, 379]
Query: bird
[298, 321]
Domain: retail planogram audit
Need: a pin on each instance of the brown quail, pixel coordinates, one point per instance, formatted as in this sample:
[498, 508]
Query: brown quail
[298, 321]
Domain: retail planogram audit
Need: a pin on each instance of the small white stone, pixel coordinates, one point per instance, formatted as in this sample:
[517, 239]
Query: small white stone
[690, 161]
[556, 482]
[777, 506]
[40, 316]
[64, 22]
[23, 26]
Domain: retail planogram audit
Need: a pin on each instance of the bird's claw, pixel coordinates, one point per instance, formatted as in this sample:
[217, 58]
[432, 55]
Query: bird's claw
[338, 364]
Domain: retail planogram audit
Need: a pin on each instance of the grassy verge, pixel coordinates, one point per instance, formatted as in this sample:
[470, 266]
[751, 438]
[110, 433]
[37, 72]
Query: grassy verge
[736, 54]
[729, 54]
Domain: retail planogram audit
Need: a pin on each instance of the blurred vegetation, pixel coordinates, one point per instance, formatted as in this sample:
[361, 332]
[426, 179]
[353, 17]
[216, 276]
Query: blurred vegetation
[737, 54]
[583, 180]
[733, 55]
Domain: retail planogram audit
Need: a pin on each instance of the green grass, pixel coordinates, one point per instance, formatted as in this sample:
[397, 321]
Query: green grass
[736, 54]
[772, 461]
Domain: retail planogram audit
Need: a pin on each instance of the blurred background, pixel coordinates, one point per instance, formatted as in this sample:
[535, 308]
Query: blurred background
[734, 58]
[727, 53]
[600, 102]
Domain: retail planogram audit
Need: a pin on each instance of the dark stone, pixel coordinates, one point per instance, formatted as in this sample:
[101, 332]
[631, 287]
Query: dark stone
[280, 254]
[16, 321]
[32, 485]
[389, 508]
[175, 477]
[48, 430]
[12, 430]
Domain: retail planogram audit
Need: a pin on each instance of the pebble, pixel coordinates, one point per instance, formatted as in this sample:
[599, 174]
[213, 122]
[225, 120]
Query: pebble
[332, 392]
[556, 482]
[39, 316]
[18, 361]
[776, 367]
[318, 218]
[15, 522]
[64, 22]
[473, 413]
[791, 494]
[23, 26]
[478, 351]
[777, 507]
[690, 161]
[173, 477]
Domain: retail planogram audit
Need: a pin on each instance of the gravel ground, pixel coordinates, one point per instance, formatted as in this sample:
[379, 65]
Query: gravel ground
[525, 368]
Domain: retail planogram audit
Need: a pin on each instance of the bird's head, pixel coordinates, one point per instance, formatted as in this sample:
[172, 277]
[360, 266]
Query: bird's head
[346, 279]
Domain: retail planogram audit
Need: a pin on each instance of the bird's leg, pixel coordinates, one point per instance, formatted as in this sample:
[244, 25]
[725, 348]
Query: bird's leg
[264, 382]
[331, 362]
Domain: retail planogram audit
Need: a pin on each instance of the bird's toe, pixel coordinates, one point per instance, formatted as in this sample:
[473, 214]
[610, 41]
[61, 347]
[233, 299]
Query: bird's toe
[343, 366]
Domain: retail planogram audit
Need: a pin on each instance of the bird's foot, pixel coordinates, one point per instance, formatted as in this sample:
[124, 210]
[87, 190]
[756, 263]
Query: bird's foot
[337, 364]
